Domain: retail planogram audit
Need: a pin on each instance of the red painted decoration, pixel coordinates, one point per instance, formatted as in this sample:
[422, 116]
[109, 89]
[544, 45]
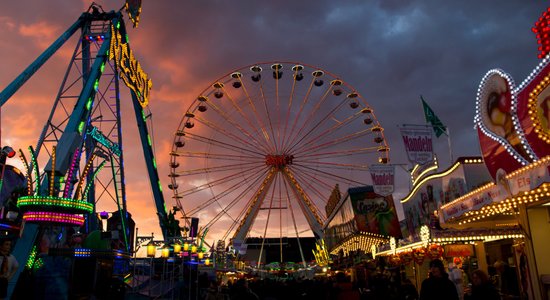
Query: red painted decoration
[542, 31]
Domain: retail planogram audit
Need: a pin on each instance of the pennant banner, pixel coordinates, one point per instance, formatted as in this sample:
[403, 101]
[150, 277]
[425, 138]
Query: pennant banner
[418, 144]
[382, 179]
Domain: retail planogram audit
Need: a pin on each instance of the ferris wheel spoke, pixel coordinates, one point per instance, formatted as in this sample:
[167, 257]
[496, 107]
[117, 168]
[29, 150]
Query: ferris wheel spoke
[261, 124]
[305, 100]
[338, 125]
[221, 168]
[223, 145]
[218, 156]
[227, 118]
[310, 119]
[331, 175]
[226, 179]
[224, 193]
[223, 130]
[338, 141]
[268, 114]
[337, 154]
[296, 69]
[314, 184]
[334, 166]
[276, 68]
[245, 117]
[319, 182]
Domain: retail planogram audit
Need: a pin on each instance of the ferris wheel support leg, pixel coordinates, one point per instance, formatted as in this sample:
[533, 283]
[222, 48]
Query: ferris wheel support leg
[242, 231]
[32, 68]
[308, 210]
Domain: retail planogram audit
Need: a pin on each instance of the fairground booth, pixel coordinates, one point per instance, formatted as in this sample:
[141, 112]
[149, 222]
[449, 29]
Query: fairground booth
[513, 126]
[360, 220]
[425, 239]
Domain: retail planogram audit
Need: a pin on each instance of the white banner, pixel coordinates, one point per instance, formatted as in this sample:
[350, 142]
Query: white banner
[382, 179]
[418, 144]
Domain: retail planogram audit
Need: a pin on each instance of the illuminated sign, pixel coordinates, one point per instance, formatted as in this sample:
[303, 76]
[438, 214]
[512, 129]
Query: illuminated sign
[103, 140]
[130, 70]
[133, 8]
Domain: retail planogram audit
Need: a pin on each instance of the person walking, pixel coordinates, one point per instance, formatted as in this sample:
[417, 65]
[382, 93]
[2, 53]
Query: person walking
[482, 287]
[456, 276]
[438, 285]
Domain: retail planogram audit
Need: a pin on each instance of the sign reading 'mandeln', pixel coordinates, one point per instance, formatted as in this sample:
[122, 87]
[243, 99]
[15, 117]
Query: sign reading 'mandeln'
[382, 178]
[418, 144]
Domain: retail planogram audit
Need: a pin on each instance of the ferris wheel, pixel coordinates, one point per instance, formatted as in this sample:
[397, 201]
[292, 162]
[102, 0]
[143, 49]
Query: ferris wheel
[259, 152]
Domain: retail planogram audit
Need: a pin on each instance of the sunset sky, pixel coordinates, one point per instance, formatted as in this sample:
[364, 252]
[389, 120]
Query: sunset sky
[390, 51]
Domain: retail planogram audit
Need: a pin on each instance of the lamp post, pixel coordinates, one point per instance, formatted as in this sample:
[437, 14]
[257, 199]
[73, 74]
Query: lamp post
[151, 251]
[165, 253]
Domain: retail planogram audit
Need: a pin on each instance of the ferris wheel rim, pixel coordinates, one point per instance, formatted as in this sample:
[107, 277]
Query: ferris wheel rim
[236, 74]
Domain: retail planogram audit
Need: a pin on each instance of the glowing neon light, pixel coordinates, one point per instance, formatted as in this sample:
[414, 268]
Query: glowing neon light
[52, 175]
[541, 131]
[103, 140]
[434, 167]
[75, 206]
[84, 175]
[88, 186]
[44, 216]
[28, 170]
[68, 184]
[416, 187]
[81, 127]
[32, 258]
[130, 69]
[82, 252]
[481, 110]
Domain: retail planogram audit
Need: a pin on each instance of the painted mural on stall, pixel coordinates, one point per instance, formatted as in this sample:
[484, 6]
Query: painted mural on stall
[419, 207]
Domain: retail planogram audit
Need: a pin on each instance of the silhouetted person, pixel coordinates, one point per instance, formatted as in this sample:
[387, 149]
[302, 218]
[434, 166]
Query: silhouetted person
[438, 286]
[407, 290]
[482, 287]
[242, 292]
[507, 280]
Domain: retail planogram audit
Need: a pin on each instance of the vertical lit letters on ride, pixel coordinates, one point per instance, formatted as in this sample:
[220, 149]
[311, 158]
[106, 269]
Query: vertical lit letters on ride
[130, 70]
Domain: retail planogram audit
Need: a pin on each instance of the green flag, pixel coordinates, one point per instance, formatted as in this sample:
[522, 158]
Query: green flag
[437, 125]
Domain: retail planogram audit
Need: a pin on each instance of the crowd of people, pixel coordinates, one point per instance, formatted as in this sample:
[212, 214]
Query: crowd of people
[381, 285]
[386, 284]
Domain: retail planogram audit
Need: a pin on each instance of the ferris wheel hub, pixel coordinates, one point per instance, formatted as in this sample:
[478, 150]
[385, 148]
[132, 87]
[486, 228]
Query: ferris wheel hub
[278, 160]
